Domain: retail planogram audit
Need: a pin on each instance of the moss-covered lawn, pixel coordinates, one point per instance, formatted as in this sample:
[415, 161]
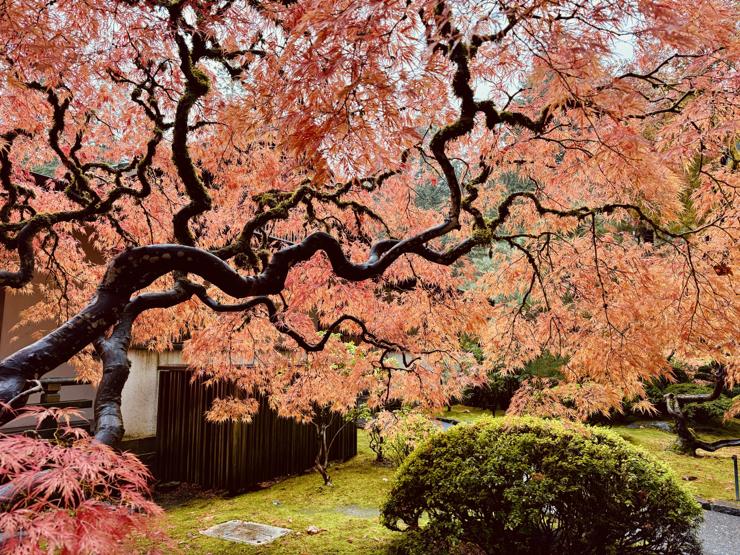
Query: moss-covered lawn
[710, 475]
[347, 512]
[464, 414]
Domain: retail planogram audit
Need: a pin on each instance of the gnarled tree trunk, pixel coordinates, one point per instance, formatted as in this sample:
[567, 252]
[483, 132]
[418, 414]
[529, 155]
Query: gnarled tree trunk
[688, 441]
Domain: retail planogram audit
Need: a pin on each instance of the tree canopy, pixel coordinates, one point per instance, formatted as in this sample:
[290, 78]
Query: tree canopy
[303, 190]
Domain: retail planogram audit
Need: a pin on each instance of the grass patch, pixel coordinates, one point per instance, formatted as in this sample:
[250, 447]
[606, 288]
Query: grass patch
[710, 475]
[345, 511]
[464, 414]
[360, 485]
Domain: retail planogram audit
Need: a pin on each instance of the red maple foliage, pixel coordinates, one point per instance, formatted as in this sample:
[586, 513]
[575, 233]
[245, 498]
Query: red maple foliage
[70, 494]
[304, 191]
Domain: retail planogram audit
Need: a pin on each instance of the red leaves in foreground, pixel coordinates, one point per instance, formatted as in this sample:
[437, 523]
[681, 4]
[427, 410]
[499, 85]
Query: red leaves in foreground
[71, 495]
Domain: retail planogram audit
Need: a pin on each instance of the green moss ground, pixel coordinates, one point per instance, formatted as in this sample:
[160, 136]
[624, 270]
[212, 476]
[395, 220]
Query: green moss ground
[295, 503]
[710, 475]
[360, 484]
[464, 414]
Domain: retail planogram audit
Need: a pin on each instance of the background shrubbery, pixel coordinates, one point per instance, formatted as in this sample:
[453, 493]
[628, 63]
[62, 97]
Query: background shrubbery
[710, 413]
[531, 486]
[395, 434]
[406, 434]
[501, 386]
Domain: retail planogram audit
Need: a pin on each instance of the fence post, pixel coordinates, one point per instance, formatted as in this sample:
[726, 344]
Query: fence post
[737, 480]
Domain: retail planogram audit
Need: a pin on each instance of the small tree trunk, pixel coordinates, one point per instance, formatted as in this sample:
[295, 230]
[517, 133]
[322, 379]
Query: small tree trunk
[376, 442]
[324, 474]
[379, 457]
[322, 457]
[686, 440]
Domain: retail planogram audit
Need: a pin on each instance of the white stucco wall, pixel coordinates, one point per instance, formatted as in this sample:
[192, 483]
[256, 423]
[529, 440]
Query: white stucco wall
[171, 358]
[139, 398]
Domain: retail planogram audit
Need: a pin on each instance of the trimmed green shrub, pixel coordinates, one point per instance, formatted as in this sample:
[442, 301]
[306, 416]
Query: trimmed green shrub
[531, 486]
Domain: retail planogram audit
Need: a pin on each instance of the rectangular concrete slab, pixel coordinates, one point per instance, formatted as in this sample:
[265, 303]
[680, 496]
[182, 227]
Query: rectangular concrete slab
[252, 533]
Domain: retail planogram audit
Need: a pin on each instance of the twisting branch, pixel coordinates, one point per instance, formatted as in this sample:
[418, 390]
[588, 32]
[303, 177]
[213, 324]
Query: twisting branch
[274, 316]
[113, 352]
[688, 441]
[196, 86]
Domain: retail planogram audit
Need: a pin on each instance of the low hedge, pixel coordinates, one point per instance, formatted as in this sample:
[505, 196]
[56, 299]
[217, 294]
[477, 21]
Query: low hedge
[530, 486]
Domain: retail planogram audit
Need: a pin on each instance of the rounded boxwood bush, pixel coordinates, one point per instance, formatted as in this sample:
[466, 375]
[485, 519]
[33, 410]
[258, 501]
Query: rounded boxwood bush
[526, 485]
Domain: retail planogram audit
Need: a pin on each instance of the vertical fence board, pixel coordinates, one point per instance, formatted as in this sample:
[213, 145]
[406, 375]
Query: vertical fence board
[234, 456]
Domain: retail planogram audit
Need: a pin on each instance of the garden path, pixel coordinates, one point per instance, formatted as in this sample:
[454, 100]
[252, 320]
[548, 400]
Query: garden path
[720, 534]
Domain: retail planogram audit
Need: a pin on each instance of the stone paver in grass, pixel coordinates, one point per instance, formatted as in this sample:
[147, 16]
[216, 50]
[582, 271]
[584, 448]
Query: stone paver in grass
[240, 531]
[358, 511]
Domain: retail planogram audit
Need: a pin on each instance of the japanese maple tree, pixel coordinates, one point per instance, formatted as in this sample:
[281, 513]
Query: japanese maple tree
[259, 178]
[71, 494]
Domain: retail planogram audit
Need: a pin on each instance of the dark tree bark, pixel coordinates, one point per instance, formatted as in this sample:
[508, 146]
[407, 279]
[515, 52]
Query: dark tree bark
[688, 441]
[376, 443]
[322, 456]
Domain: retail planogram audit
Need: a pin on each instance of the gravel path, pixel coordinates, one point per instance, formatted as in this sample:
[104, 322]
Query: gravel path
[720, 534]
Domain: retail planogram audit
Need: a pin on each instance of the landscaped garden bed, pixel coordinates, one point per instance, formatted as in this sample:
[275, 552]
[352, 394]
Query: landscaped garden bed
[346, 514]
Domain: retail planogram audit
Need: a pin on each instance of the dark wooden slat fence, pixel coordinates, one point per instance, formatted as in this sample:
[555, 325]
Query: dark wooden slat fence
[234, 456]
